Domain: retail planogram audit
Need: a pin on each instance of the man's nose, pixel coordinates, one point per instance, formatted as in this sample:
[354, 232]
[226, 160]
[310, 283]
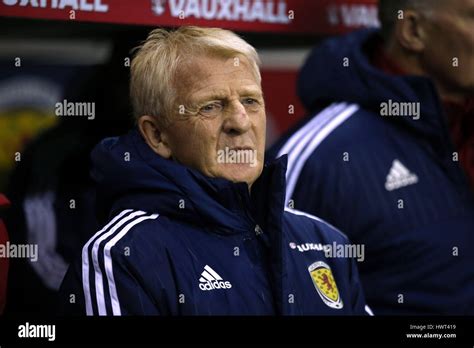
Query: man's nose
[236, 119]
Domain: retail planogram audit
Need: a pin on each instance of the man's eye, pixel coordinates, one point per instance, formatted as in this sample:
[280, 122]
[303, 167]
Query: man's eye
[211, 108]
[249, 101]
[251, 104]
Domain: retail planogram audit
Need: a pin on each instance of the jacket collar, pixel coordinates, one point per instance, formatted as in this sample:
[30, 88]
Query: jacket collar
[151, 183]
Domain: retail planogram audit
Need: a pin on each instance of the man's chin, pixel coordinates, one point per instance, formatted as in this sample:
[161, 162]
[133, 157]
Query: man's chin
[240, 173]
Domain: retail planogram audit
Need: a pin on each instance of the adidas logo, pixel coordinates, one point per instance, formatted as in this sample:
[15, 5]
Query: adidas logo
[210, 280]
[399, 176]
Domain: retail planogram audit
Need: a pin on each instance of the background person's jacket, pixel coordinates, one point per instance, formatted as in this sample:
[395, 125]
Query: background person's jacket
[391, 183]
[179, 243]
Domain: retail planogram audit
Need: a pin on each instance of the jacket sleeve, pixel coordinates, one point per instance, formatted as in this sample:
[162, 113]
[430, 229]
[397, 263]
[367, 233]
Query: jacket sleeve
[359, 306]
[114, 289]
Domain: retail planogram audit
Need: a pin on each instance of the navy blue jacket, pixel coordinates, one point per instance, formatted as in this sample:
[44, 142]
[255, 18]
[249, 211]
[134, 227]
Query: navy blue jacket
[179, 243]
[391, 183]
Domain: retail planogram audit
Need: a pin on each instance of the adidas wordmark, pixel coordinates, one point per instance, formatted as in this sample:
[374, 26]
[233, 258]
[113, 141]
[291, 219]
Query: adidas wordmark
[210, 280]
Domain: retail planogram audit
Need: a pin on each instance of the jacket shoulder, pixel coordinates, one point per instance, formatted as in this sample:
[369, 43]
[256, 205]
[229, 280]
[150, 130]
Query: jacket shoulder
[333, 129]
[126, 227]
[116, 258]
[307, 226]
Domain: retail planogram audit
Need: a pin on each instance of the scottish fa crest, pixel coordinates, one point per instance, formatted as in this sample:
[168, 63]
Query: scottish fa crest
[325, 284]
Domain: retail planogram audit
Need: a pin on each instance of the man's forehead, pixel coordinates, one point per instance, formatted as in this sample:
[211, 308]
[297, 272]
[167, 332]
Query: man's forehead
[203, 76]
[199, 67]
[212, 59]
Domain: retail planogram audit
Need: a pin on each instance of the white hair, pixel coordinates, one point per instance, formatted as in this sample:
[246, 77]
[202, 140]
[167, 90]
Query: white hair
[157, 61]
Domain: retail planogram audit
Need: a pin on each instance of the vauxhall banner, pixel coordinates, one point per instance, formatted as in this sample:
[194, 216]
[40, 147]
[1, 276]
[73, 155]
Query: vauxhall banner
[296, 16]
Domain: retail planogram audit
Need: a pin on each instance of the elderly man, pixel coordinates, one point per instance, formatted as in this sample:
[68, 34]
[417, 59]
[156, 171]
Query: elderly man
[388, 152]
[196, 225]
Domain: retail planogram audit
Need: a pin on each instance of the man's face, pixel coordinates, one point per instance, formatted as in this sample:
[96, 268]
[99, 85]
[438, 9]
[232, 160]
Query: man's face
[222, 130]
[450, 40]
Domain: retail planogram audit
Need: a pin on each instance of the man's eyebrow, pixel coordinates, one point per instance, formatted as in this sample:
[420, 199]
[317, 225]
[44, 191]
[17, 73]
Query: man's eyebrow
[212, 95]
[251, 91]
[219, 95]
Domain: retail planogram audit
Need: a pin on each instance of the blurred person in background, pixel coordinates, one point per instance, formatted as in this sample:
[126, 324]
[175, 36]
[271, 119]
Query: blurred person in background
[51, 191]
[4, 262]
[387, 155]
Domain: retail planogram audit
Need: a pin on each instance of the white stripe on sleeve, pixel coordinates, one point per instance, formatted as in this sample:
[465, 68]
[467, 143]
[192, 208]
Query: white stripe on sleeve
[85, 262]
[108, 261]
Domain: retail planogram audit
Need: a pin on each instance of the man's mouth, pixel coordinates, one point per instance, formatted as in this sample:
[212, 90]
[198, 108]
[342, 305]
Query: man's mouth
[237, 155]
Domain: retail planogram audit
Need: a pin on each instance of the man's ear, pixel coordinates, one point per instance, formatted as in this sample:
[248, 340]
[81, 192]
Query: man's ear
[154, 137]
[410, 31]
